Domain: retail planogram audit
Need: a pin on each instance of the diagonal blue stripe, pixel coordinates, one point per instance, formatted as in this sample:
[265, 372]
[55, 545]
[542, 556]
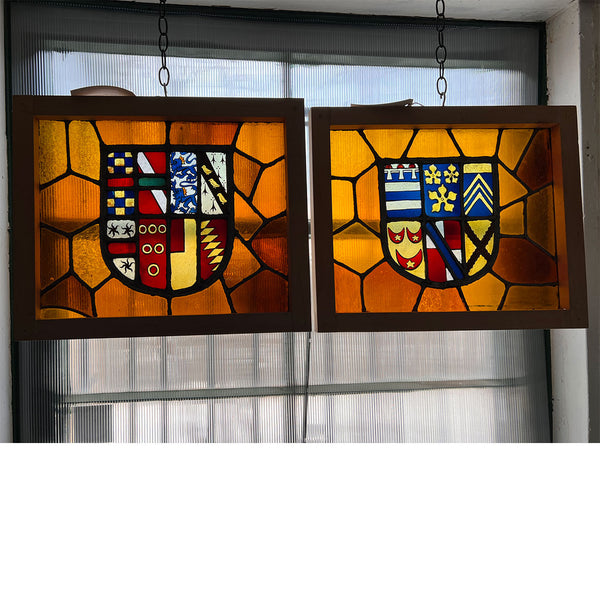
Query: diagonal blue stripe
[443, 249]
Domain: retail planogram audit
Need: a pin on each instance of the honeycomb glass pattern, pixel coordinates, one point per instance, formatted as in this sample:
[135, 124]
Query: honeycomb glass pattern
[158, 218]
[444, 219]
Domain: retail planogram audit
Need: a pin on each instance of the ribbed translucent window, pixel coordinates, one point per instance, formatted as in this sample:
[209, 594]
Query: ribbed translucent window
[464, 386]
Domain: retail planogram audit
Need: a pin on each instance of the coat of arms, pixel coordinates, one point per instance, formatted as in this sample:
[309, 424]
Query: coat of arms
[166, 216]
[439, 219]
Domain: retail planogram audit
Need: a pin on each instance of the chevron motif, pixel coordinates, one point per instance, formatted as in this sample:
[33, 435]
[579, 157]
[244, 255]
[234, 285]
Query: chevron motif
[211, 244]
[478, 190]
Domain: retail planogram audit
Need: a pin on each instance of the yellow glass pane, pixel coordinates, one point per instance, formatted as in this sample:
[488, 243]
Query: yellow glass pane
[357, 248]
[54, 257]
[432, 143]
[386, 291]
[59, 313]
[241, 265]
[350, 155]
[444, 300]
[247, 221]
[244, 173]
[203, 133]
[540, 219]
[69, 294]
[367, 199]
[519, 261]
[132, 132]
[347, 291]
[184, 264]
[532, 298]
[512, 219]
[485, 293]
[53, 150]
[510, 188]
[270, 245]
[84, 148]
[211, 301]
[265, 292]
[342, 202]
[70, 203]
[512, 144]
[476, 142]
[114, 299]
[270, 197]
[389, 143]
[263, 141]
[87, 256]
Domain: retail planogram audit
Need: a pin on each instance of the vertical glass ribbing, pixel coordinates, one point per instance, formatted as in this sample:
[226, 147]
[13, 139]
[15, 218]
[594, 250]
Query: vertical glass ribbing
[464, 386]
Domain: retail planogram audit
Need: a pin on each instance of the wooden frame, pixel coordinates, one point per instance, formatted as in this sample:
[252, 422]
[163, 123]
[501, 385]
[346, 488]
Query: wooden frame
[570, 264]
[29, 110]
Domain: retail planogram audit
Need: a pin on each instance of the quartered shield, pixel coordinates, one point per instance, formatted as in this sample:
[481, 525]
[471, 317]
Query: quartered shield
[166, 224]
[439, 219]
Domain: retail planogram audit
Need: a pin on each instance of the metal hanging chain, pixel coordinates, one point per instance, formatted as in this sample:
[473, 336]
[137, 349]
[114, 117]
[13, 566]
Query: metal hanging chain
[440, 51]
[163, 43]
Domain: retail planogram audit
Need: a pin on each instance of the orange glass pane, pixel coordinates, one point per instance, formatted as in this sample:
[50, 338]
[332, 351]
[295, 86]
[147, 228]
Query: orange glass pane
[84, 148]
[211, 301]
[265, 292]
[432, 143]
[367, 199]
[385, 290]
[270, 197]
[389, 143]
[519, 261]
[132, 132]
[53, 150]
[244, 172]
[263, 141]
[54, 257]
[512, 144]
[485, 293]
[59, 313]
[241, 265]
[247, 222]
[357, 248]
[510, 188]
[87, 257]
[68, 294]
[512, 219]
[270, 245]
[476, 142]
[540, 219]
[114, 299]
[203, 133]
[446, 300]
[347, 291]
[350, 154]
[532, 298]
[70, 203]
[536, 167]
[342, 202]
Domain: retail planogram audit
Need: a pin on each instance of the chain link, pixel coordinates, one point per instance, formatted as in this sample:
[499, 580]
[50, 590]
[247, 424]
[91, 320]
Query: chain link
[441, 52]
[163, 44]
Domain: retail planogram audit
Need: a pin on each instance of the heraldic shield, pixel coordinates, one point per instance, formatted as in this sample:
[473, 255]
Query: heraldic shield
[166, 216]
[439, 219]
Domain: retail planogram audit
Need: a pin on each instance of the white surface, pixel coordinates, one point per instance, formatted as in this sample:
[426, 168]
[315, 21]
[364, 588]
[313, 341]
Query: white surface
[509, 10]
[5, 372]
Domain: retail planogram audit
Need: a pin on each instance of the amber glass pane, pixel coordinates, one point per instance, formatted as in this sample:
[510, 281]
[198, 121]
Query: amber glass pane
[245, 173]
[528, 298]
[432, 143]
[476, 142]
[70, 203]
[357, 248]
[84, 149]
[87, 257]
[347, 291]
[434, 300]
[265, 292]
[540, 219]
[536, 167]
[132, 132]
[350, 154]
[510, 187]
[59, 313]
[385, 290]
[270, 245]
[519, 261]
[114, 299]
[367, 199]
[242, 264]
[389, 142]
[53, 150]
[485, 293]
[512, 219]
[54, 257]
[68, 294]
[342, 202]
[203, 133]
[247, 222]
[263, 141]
[270, 198]
[512, 144]
[211, 301]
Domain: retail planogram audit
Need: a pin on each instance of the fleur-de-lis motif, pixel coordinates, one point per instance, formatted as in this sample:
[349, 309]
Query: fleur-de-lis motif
[432, 175]
[451, 174]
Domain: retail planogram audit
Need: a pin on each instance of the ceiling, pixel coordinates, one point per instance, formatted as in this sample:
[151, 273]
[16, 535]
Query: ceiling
[497, 10]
